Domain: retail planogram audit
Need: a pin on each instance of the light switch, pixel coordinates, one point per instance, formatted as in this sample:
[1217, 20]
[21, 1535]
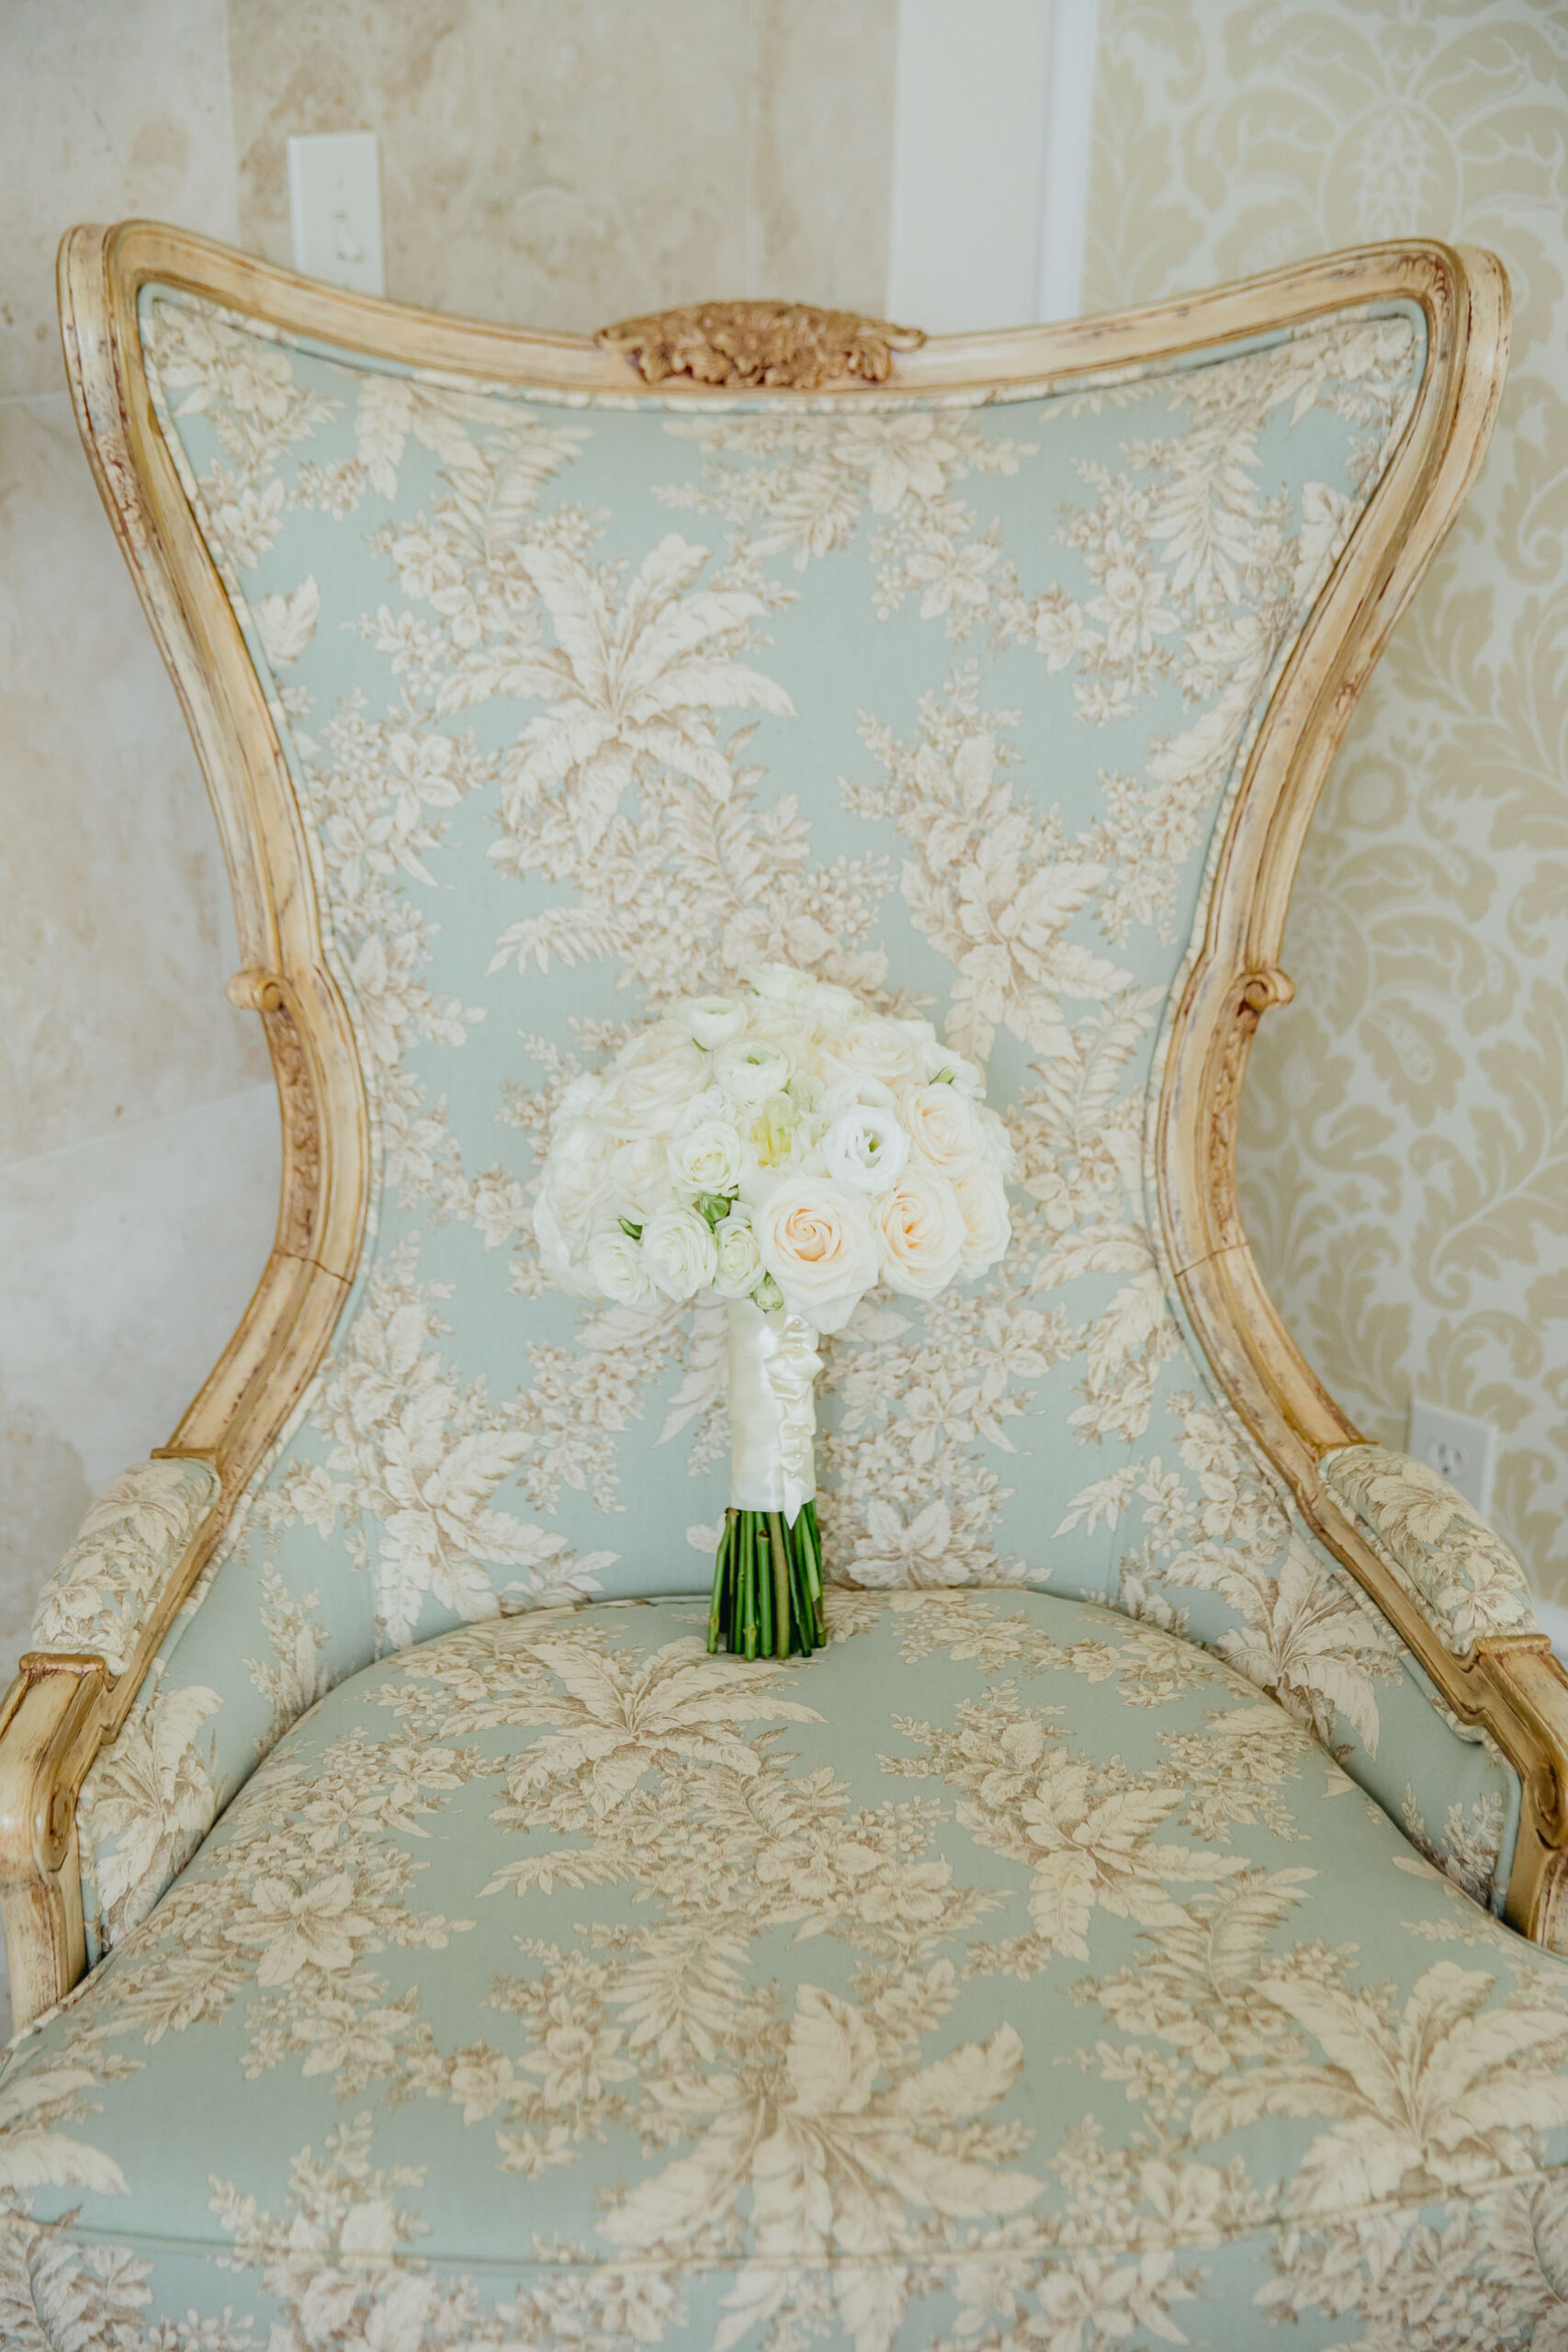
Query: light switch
[334, 209]
[1460, 1449]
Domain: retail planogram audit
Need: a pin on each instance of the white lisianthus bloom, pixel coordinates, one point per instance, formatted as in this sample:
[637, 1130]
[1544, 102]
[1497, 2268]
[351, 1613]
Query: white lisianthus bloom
[750, 1069]
[619, 1269]
[957, 1071]
[865, 1147]
[782, 984]
[988, 1227]
[944, 1132]
[815, 1240]
[713, 1020]
[654, 1080]
[830, 1006]
[740, 1259]
[679, 1252]
[708, 1159]
[920, 1232]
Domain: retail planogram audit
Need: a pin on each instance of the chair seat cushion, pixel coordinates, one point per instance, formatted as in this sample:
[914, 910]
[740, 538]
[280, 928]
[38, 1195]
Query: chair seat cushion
[1008, 1974]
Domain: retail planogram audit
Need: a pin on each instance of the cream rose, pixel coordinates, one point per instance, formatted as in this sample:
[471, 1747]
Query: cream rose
[865, 1147]
[875, 1048]
[619, 1267]
[988, 1227]
[945, 1133]
[708, 1159]
[678, 1252]
[815, 1240]
[740, 1259]
[920, 1232]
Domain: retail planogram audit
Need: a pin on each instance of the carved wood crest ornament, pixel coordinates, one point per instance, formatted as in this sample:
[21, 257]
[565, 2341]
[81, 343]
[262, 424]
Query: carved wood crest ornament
[778, 347]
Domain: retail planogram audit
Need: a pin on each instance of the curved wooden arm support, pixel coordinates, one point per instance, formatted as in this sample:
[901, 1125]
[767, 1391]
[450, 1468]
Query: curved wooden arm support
[49, 1730]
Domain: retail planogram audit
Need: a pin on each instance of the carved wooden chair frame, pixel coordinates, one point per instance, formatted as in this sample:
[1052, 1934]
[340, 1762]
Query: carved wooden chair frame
[61, 1709]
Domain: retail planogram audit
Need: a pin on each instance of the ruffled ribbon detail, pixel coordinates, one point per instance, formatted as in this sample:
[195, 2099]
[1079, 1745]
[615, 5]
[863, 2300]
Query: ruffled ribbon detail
[774, 1366]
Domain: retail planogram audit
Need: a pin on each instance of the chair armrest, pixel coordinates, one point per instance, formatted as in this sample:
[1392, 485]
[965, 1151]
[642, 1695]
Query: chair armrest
[98, 1615]
[101, 1594]
[1462, 1576]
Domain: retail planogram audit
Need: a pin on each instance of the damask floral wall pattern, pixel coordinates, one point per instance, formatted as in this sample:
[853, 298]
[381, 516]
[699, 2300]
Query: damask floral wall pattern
[1404, 1151]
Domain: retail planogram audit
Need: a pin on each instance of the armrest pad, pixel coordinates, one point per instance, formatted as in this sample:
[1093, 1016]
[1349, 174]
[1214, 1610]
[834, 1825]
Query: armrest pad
[129, 1546]
[1463, 1575]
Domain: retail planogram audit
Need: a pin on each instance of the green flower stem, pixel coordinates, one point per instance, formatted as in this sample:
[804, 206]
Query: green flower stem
[767, 1586]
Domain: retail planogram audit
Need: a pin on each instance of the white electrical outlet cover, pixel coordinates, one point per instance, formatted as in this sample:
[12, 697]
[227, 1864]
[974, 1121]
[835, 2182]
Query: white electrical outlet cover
[1460, 1449]
[334, 209]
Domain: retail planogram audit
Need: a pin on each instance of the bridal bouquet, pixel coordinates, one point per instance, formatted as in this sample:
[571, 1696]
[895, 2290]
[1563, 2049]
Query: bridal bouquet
[787, 1148]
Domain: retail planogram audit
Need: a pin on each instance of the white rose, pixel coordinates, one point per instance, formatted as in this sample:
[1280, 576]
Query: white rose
[708, 1159]
[815, 1240]
[865, 1147]
[556, 1252]
[945, 1133]
[740, 1259]
[714, 1020]
[619, 1267]
[750, 1069]
[652, 1083]
[678, 1251]
[920, 1232]
[577, 1177]
[983, 1206]
[873, 1048]
[637, 1180]
[581, 1098]
[998, 1142]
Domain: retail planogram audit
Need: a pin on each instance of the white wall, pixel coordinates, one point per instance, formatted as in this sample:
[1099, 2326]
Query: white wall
[992, 107]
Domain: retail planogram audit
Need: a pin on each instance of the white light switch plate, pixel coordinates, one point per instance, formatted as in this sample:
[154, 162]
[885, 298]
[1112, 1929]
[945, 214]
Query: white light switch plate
[1460, 1449]
[334, 209]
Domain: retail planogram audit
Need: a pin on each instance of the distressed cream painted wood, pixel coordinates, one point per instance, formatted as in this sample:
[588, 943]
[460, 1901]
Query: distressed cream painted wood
[61, 1709]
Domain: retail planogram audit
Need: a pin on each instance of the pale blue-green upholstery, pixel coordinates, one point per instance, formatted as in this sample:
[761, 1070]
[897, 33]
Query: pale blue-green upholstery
[1011, 1973]
[587, 704]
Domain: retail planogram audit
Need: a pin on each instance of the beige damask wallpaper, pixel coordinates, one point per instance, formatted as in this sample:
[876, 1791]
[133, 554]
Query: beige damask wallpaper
[1406, 1139]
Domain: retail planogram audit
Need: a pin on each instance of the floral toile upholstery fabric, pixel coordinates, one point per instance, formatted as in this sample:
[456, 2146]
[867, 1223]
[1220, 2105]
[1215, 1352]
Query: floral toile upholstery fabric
[1011, 1974]
[1441, 1550]
[126, 1550]
[1028, 1969]
[588, 702]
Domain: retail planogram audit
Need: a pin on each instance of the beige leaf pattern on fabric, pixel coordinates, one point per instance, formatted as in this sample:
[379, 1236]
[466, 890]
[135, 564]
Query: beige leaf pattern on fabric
[1464, 1574]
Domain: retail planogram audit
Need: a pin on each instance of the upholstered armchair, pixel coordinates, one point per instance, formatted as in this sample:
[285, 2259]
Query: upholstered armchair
[1139, 1924]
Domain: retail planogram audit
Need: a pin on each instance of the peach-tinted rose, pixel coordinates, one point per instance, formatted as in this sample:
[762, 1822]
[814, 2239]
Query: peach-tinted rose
[817, 1242]
[919, 1233]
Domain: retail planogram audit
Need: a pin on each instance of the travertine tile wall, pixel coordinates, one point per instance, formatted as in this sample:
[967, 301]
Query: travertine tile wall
[1405, 1146]
[563, 166]
[122, 1066]
[548, 163]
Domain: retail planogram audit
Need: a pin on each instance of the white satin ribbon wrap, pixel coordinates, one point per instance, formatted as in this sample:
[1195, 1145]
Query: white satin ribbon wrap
[774, 1366]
